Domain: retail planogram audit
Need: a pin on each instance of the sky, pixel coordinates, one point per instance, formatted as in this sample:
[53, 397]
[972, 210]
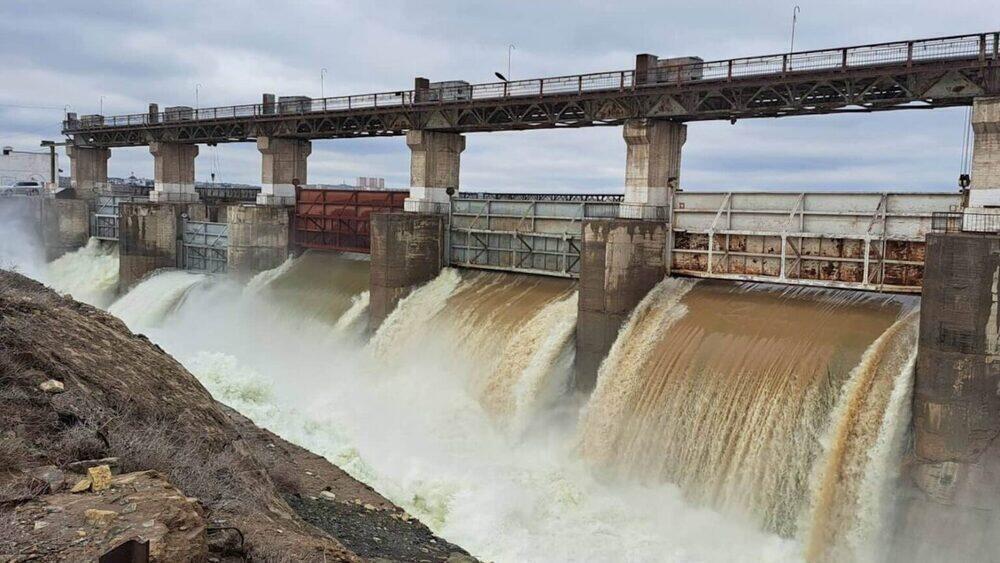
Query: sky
[120, 56]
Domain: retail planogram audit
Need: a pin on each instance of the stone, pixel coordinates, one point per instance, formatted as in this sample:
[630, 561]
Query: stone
[369, 507]
[40, 524]
[99, 518]
[50, 474]
[327, 495]
[100, 478]
[82, 485]
[52, 386]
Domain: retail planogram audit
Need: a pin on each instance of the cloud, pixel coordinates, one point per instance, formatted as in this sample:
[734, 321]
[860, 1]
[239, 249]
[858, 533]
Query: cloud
[139, 52]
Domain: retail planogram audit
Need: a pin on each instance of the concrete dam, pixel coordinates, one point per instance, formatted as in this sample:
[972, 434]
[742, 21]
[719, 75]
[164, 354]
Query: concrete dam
[657, 375]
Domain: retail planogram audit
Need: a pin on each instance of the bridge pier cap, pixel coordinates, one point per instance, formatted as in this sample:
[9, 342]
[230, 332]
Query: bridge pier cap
[985, 188]
[173, 175]
[283, 163]
[435, 160]
[652, 167]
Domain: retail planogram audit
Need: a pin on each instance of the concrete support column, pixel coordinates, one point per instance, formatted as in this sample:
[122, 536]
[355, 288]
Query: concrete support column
[173, 174]
[951, 511]
[435, 158]
[621, 260]
[88, 169]
[259, 238]
[407, 250]
[283, 164]
[985, 188]
[652, 167]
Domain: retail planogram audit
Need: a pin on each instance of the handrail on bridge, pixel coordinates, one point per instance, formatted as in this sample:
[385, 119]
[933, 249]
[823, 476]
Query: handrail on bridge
[984, 46]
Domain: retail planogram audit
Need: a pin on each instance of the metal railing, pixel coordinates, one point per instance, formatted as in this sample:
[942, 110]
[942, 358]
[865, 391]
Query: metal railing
[965, 222]
[982, 46]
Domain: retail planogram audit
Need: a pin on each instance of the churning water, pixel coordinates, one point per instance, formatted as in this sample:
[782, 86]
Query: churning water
[729, 423]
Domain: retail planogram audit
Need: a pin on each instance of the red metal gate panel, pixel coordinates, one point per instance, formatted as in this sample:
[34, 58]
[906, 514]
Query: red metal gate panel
[340, 219]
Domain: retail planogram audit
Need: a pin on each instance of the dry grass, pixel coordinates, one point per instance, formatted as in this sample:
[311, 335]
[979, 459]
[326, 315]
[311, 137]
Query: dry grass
[12, 537]
[14, 452]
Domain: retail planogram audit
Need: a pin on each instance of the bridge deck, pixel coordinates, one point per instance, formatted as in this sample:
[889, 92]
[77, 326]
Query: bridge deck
[935, 72]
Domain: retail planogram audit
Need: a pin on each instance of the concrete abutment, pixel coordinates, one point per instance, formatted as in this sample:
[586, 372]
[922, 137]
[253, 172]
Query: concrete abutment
[652, 167]
[65, 225]
[407, 250]
[621, 261]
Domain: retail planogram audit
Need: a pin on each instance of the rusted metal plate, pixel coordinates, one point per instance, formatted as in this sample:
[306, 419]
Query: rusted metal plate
[340, 219]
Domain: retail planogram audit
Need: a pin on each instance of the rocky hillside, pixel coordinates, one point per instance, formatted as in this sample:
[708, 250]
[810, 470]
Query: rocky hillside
[76, 386]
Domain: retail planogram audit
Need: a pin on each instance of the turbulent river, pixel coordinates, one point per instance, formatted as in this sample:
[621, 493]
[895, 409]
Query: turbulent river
[729, 423]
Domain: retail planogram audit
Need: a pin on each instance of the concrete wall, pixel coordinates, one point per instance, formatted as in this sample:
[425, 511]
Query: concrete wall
[407, 250]
[621, 260]
[283, 162]
[259, 238]
[951, 509]
[65, 225]
[652, 166]
[173, 176]
[435, 165]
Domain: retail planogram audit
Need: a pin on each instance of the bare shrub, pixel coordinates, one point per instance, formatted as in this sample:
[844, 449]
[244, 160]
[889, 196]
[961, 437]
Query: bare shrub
[79, 442]
[214, 477]
[14, 452]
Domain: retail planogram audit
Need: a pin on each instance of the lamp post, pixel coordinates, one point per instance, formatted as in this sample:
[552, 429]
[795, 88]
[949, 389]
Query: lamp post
[197, 89]
[510, 48]
[322, 75]
[101, 111]
[795, 19]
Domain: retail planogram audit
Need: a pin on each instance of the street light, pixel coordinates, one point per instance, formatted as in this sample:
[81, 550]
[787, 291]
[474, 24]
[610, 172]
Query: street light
[101, 112]
[795, 19]
[197, 88]
[322, 74]
[510, 48]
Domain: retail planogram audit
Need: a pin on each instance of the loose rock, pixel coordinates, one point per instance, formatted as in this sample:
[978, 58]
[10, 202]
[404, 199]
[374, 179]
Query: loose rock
[99, 518]
[52, 386]
[100, 478]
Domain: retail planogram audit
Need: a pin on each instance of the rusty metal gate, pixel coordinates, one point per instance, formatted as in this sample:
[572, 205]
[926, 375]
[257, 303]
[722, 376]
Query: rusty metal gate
[340, 219]
[205, 246]
[530, 233]
[106, 219]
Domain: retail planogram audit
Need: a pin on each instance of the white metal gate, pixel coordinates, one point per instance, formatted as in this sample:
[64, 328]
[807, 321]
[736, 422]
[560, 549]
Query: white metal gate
[531, 233]
[206, 246]
[105, 221]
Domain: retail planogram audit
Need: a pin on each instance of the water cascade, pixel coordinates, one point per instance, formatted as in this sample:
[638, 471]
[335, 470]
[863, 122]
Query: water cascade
[759, 401]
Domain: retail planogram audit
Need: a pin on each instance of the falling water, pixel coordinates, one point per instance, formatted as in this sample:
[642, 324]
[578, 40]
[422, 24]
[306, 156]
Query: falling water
[512, 330]
[744, 396]
[151, 300]
[89, 274]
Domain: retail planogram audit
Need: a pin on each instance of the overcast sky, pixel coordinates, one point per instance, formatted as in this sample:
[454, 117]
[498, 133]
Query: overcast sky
[54, 54]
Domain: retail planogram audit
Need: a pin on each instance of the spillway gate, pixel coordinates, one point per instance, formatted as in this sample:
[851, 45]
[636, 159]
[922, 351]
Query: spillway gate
[205, 246]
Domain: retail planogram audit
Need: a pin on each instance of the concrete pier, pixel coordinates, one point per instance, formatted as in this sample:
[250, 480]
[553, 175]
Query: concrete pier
[621, 260]
[283, 164]
[259, 238]
[435, 162]
[652, 167]
[985, 187]
[173, 172]
[149, 238]
[88, 169]
[951, 511]
[407, 250]
[65, 225]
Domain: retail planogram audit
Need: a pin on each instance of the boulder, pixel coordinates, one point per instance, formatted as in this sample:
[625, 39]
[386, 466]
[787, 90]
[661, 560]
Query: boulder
[100, 478]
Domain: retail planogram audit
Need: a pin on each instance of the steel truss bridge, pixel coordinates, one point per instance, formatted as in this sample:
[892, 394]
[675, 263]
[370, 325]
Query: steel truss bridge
[925, 73]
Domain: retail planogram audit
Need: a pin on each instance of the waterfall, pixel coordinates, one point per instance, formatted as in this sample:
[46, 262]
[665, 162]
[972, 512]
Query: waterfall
[731, 393]
[149, 302]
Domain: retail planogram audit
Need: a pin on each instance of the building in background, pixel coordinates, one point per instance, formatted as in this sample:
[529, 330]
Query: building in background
[22, 166]
[370, 183]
